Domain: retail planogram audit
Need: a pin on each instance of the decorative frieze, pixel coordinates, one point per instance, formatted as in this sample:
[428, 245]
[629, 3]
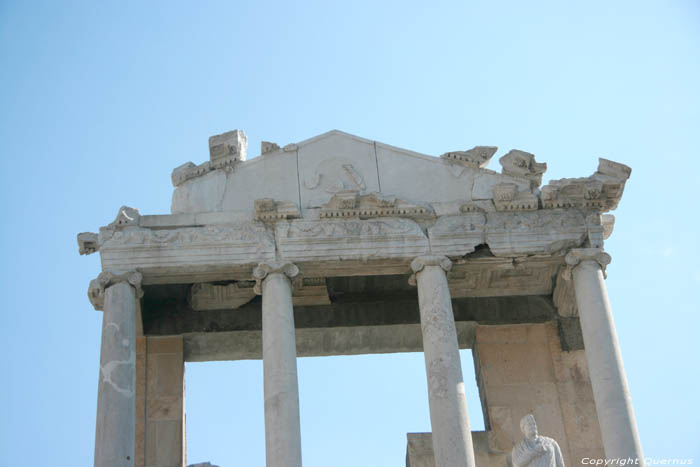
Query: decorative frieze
[522, 164]
[331, 239]
[97, 287]
[507, 197]
[457, 235]
[205, 296]
[226, 244]
[350, 203]
[267, 209]
[601, 191]
[477, 157]
[308, 291]
[493, 278]
[536, 232]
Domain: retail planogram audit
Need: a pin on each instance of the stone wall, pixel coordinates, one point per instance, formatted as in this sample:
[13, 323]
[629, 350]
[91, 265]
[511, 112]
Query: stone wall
[419, 450]
[521, 369]
[160, 402]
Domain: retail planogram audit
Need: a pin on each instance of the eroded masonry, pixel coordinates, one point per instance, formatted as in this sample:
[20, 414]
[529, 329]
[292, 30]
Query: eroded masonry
[339, 245]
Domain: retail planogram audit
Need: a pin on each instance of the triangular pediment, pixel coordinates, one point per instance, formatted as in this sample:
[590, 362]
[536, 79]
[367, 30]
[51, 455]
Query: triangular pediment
[310, 173]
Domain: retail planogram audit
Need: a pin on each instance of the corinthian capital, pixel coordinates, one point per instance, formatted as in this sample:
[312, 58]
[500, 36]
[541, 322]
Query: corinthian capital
[96, 290]
[578, 255]
[277, 267]
[418, 264]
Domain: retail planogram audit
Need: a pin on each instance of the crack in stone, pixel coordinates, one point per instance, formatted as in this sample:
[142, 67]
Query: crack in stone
[223, 195]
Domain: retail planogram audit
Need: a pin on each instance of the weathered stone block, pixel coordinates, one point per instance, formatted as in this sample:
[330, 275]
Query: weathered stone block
[169, 344]
[165, 408]
[230, 144]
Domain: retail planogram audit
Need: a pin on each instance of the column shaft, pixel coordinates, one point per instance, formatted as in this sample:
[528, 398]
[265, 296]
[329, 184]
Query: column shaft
[114, 436]
[282, 423]
[452, 440]
[611, 393]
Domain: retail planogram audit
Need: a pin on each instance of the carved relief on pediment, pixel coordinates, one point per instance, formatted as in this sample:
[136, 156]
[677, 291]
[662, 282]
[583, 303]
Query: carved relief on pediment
[350, 203]
[334, 176]
[601, 191]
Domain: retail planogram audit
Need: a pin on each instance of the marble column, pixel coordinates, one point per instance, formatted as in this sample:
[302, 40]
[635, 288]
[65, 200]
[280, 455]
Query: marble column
[452, 439]
[282, 424]
[610, 391]
[116, 294]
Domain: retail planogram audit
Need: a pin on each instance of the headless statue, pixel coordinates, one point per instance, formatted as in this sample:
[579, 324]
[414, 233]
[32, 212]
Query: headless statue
[535, 450]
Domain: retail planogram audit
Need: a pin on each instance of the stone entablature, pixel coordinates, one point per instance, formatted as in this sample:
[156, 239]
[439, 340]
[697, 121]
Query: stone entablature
[360, 211]
[168, 245]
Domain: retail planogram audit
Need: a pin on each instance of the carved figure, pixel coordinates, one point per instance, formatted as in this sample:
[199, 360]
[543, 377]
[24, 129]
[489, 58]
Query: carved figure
[535, 450]
[339, 175]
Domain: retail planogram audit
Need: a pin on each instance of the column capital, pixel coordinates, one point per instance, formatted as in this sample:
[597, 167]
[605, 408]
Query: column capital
[578, 255]
[419, 263]
[262, 270]
[96, 290]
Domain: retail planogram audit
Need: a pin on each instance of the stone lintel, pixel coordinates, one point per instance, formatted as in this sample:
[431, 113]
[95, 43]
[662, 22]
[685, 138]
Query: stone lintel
[318, 342]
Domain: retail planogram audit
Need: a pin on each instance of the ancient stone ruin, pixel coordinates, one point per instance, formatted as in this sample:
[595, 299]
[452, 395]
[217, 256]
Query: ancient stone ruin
[338, 245]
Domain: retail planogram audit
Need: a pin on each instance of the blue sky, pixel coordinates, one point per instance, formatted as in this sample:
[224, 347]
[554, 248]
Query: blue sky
[101, 100]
